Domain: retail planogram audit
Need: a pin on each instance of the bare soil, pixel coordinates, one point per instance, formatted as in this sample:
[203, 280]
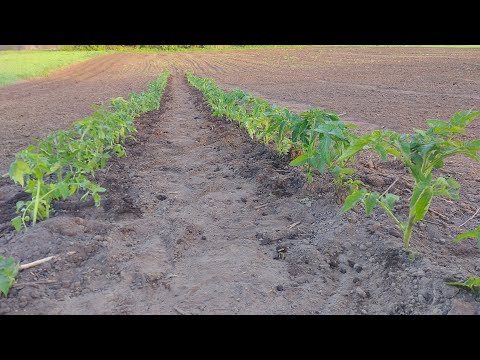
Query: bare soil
[199, 219]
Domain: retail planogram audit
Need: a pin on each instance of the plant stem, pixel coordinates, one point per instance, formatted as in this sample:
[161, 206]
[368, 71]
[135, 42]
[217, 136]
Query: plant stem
[35, 210]
[37, 202]
[389, 212]
[407, 233]
[48, 193]
[84, 133]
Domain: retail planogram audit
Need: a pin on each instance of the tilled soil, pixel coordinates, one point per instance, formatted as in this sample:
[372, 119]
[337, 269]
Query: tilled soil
[199, 219]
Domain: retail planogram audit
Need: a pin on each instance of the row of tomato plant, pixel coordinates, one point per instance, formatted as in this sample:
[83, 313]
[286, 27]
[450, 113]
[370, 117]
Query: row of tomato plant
[64, 162]
[320, 141]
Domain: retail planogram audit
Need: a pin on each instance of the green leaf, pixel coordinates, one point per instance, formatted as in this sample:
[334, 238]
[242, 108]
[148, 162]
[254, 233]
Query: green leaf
[38, 173]
[463, 118]
[97, 198]
[417, 173]
[63, 190]
[432, 123]
[455, 125]
[459, 284]
[300, 160]
[100, 189]
[438, 164]
[120, 150]
[324, 145]
[355, 147]
[403, 144]
[8, 271]
[17, 223]
[54, 167]
[19, 205]
[73, 189]
[18, 169]
[338, 172]
[370, 202]
[417, 190]
[446, 187]
[394, 152]
[453, 188]
[353, 199]
[298, 129]
[468, 234]
[473, 145]
[317, 162]
[425, 148]
[471, 284]
[389, 200]
[381, 151]
[473, 281]
[347, 171]
[330, 129]
[420, 202]
[452, 129]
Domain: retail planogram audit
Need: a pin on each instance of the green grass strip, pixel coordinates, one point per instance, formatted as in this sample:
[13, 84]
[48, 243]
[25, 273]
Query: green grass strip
[21, 65]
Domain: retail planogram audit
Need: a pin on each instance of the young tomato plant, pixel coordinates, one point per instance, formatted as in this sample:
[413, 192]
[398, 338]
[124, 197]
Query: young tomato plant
[421, 153]
[8, 272]
[323, 138]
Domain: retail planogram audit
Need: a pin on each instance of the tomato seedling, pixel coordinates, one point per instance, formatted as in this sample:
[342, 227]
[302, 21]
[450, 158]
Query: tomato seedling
[421, 153]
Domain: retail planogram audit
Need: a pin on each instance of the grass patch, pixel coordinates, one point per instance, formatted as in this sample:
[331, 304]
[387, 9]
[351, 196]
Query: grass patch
[20, 65]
